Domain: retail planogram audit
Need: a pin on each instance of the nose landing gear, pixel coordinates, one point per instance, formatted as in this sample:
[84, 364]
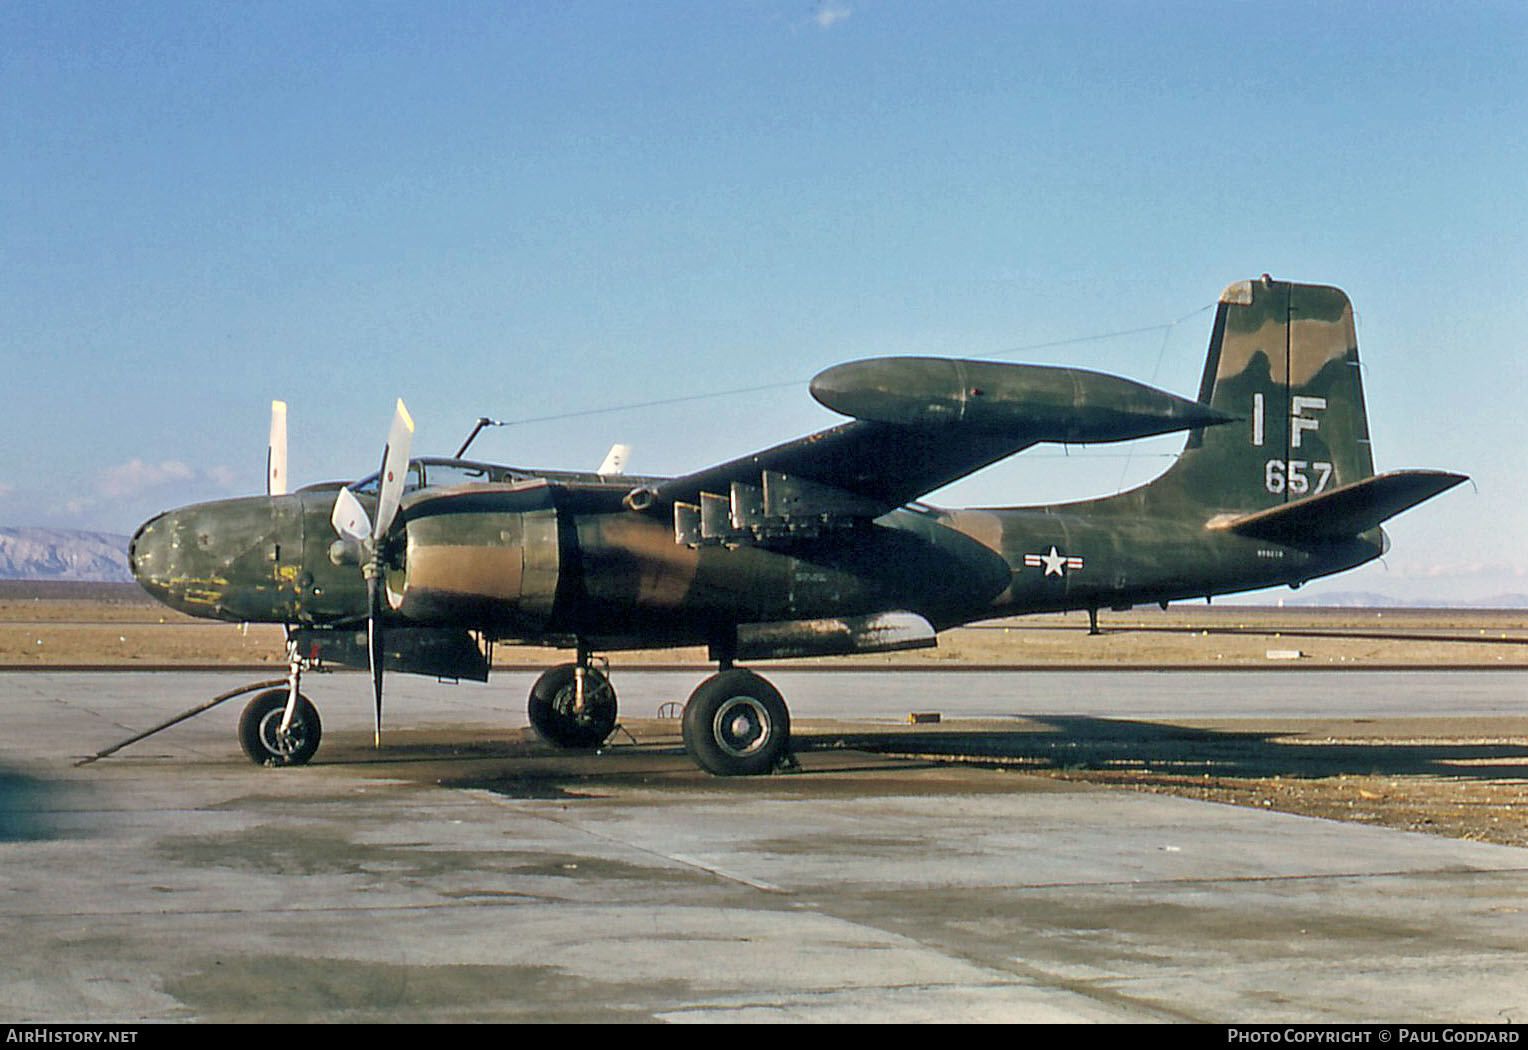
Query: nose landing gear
[280, 727]
[264, 738]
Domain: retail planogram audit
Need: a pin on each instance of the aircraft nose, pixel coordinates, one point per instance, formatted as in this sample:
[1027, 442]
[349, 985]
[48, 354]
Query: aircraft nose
[150, 555]
[235, 559]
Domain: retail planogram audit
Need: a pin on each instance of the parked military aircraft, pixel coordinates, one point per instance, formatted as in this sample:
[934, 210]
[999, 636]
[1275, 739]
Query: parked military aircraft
[813, 547]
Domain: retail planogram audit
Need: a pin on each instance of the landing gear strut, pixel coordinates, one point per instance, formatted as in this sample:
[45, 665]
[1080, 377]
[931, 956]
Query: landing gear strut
[573, 705]
[280, 727]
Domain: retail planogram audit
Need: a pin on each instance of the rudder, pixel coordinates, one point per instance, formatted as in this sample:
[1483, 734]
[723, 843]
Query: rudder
[1283, 360]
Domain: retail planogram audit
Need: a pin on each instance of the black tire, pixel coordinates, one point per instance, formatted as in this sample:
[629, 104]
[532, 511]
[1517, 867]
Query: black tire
[260, 724]
[551, 708]
[736, 725]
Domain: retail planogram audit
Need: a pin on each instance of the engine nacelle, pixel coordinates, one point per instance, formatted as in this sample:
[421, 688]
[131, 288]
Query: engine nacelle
[488, 556]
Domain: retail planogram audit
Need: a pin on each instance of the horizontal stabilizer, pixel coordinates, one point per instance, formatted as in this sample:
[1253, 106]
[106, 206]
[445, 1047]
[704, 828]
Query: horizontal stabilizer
[1346, 511]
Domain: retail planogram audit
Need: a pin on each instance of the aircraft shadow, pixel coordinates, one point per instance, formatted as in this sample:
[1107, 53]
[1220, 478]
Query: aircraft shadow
[35, 808]
[517, 764]
[1082, 743]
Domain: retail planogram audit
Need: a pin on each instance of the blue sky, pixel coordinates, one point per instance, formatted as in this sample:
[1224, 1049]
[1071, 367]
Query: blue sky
[529, 209]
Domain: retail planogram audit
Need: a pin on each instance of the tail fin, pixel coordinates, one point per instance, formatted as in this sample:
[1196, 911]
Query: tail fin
[1283, 360]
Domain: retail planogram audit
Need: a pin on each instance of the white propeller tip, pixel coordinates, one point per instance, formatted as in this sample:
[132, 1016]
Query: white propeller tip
[276, 456]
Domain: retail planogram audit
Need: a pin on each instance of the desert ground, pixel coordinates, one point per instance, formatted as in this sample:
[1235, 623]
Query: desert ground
[64, 625]
[57, 626]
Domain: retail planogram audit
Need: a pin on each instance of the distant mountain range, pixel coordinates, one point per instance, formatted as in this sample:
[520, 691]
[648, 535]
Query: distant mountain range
[1370, 600]
[63, 554]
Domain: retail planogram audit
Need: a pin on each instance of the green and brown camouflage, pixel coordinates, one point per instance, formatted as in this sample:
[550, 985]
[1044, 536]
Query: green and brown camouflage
[1283, 494]
[816, 545]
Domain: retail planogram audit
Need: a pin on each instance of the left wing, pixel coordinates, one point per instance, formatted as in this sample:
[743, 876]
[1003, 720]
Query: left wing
[881, 465]
[920, 424]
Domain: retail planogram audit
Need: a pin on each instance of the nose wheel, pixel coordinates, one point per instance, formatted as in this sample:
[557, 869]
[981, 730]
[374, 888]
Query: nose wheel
[266, 742]
[736, 724]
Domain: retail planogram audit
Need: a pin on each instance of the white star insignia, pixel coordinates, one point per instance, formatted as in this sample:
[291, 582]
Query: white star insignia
[1054, 562]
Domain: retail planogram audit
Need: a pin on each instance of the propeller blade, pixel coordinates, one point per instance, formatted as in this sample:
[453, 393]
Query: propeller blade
[351, 523]
[374, 649]
[395, 465]
[615, 460]
[276, 453]
[349, 517]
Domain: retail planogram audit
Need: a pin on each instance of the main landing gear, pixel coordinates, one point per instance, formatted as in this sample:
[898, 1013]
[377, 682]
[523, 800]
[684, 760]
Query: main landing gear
[573, 705]
[735, 723]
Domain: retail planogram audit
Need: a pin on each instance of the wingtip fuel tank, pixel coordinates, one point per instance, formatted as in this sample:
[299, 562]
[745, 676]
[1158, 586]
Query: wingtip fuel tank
[1051, 403]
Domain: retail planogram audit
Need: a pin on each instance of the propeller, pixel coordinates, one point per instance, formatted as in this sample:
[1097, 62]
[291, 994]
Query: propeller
[350, 521]
[615, 461]
[276, 453]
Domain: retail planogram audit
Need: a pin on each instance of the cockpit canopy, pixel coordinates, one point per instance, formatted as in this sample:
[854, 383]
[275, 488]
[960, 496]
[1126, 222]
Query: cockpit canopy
[443, 473]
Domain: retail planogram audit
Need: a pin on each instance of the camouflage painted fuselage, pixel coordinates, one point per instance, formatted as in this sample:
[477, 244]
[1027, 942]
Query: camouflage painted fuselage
[1275, 486]
[544, 563]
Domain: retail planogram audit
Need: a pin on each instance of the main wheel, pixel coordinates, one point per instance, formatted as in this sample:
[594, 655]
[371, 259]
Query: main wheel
[736, 724]
[260, 730]
[554, 698]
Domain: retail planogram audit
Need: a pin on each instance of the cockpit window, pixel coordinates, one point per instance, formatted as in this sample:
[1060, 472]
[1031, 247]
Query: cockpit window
[369, 485]
[441, 475]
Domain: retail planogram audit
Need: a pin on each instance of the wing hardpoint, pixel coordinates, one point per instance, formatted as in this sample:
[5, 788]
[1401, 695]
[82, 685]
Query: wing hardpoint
[855, 471]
